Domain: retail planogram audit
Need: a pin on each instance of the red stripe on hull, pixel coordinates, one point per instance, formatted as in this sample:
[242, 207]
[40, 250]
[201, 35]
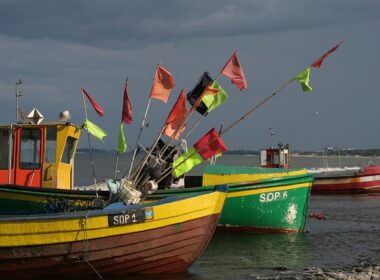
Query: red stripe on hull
[170, 249]
[340, 185]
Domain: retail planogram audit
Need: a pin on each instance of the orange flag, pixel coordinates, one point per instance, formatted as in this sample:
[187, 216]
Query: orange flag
[234, 71]
[96, 106]
[162, 85]
[176, 117]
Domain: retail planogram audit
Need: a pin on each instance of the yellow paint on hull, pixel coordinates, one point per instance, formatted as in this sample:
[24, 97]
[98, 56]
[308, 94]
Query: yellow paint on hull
[59, 228]
[217, 179]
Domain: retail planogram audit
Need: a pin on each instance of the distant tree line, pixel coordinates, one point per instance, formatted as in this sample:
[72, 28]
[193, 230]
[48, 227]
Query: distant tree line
[328, 152]
[347, 152]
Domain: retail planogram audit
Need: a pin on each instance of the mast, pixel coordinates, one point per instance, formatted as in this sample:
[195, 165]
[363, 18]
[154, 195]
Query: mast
[18, 94]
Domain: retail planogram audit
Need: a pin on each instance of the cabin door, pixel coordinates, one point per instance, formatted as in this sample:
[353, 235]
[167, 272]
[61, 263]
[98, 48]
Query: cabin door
[6, 145]
[29, 156]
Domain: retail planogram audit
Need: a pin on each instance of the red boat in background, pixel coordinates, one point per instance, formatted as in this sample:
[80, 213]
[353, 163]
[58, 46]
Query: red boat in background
[348, 179]
[326, 179]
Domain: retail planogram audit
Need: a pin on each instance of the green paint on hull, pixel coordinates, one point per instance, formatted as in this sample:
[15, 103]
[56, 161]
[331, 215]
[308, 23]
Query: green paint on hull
[20, 207]
[26, 200]
[277, 210]
[274, 205]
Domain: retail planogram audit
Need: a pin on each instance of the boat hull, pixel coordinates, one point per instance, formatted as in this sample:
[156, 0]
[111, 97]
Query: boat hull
[357, 184]
[281, 208]
[274, 201]
[83, 244]
[364, 181]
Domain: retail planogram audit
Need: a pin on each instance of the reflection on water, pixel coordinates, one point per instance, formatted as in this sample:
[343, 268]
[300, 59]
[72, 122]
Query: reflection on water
[241, 254]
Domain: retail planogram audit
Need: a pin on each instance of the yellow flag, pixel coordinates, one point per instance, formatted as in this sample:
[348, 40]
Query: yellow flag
[94, 130]
[304, 78]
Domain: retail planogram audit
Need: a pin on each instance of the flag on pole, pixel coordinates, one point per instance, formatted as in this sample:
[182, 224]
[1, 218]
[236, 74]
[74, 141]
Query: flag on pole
[208, 146]
[94, 130]
[233, 70]
[126, 117]
[304, 78]
[127, 106]
[192, 96]
[186, 162]
[121, 143]
[94, 104]
[319, 61]
[214, 96]
[176, 117]
[162, 85]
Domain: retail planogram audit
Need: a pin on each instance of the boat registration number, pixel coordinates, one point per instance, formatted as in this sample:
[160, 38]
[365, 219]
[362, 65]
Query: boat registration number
[130, 217]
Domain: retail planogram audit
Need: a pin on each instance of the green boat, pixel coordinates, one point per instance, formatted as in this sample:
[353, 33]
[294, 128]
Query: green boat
[258, 199]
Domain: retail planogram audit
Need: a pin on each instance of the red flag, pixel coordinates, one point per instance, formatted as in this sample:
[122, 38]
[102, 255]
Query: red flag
[319, 61]
[96, 106]
[176, 117]
[127, 107]
[210, 145]
[234, 71]
[162, 85]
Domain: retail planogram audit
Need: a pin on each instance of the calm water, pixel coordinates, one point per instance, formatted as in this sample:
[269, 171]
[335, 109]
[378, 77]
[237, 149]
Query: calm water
[344, 246]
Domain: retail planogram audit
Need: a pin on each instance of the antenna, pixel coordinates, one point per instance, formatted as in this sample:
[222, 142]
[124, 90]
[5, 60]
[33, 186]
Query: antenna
[18, 94]
[271, 133]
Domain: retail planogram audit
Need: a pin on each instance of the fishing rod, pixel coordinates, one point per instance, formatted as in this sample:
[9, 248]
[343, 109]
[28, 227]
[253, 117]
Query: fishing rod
[158, 91]
[204, 147]
[90, 146]
[167, 145]
[172, 137]
[317, 64]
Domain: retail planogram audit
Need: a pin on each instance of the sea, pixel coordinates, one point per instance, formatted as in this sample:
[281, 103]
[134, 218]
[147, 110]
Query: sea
[344, 245]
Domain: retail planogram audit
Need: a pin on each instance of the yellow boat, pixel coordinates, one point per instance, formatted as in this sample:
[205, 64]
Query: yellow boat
[164, 236]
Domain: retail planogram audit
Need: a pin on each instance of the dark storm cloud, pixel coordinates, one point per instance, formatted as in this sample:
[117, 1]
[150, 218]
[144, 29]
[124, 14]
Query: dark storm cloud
[130, 24]
[56, 46]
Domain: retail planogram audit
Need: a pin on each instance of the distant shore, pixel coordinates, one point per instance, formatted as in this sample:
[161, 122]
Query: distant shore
[365, 153]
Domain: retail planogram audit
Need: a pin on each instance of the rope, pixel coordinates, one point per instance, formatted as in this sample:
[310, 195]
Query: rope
[85, 247]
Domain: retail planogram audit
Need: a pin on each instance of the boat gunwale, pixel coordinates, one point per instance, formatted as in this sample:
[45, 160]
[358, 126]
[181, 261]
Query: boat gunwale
[109, 211]
[12, 188]
[234, 187]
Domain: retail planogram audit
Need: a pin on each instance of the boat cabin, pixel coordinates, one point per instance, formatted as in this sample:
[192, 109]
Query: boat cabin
[275, 157]
[38, 155]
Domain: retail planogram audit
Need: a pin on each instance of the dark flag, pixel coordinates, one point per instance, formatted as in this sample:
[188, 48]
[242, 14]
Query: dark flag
[193, 95]
[127, 106]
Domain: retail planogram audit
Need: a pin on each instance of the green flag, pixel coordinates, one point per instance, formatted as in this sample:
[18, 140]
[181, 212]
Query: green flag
[94, 130]
[214, 96]
[180, 166]
[304, 78]
[121, 143]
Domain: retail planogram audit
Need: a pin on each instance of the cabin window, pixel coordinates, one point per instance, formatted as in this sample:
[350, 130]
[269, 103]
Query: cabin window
[270, 159]
[276, 158]
[30, 148]
[4, 148]
[51, 144]
[69, 150]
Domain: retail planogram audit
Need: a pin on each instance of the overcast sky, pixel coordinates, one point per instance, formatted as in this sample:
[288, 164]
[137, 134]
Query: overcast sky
[57, 46]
